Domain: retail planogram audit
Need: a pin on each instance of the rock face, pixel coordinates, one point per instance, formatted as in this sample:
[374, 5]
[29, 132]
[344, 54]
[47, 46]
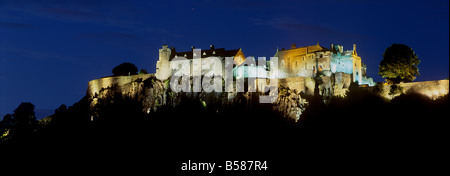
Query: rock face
[154, 93]
[289, 103]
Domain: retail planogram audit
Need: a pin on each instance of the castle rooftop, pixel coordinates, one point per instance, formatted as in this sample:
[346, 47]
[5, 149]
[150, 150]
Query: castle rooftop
[212, 51]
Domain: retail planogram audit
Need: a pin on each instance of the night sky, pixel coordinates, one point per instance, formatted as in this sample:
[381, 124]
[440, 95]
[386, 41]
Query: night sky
[50, 49]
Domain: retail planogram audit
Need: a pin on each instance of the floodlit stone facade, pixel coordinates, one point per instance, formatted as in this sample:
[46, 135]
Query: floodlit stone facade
[335, 67]
[167, 55]
[309, 61]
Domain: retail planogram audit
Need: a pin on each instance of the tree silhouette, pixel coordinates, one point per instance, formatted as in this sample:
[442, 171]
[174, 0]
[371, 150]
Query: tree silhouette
[25, 122]
[7, 119]
[61, 108]
[125, 69]
[399, 64]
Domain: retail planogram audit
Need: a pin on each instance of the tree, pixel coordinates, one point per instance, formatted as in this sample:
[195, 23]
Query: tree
[61, 108]
[25, 121]
[125, 69]
[7, 121]
[399, 64]
[5, 126]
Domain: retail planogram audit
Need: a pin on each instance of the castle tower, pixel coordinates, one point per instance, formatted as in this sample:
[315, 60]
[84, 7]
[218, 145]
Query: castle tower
[163, 65]
[354, 50]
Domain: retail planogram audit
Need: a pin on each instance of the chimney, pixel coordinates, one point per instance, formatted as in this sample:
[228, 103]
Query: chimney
[354, 47]
[331, 47]
[211, 46]
[293, 46]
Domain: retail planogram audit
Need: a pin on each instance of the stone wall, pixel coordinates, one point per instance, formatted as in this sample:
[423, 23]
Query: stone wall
[96, 85]
[153, 93]
[129, 86]
[336, 84]
[297, 83]
[431, 89]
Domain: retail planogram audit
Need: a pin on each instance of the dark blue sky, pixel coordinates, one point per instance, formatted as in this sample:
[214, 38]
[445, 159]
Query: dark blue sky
[50, 49]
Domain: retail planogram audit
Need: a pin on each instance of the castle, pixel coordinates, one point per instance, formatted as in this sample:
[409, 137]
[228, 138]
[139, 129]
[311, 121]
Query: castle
[297, 67]
[302, 71]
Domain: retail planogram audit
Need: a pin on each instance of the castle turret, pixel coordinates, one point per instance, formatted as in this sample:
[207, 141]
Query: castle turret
[163, 65]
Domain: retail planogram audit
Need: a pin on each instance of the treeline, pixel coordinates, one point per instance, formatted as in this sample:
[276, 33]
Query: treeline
[360, 112]
[361, 126]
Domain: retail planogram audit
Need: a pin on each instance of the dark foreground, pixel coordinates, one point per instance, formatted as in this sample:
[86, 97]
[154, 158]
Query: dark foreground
[359, 134]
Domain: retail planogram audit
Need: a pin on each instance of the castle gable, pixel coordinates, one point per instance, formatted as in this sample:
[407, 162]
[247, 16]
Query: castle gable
[211, 52]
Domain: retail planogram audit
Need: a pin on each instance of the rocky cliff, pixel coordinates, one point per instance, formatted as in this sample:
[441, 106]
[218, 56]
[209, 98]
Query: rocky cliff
[153, 93]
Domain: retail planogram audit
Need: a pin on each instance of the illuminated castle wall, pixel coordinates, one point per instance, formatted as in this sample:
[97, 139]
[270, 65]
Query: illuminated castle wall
[166, 55]
[311, 60]
[338, 68]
